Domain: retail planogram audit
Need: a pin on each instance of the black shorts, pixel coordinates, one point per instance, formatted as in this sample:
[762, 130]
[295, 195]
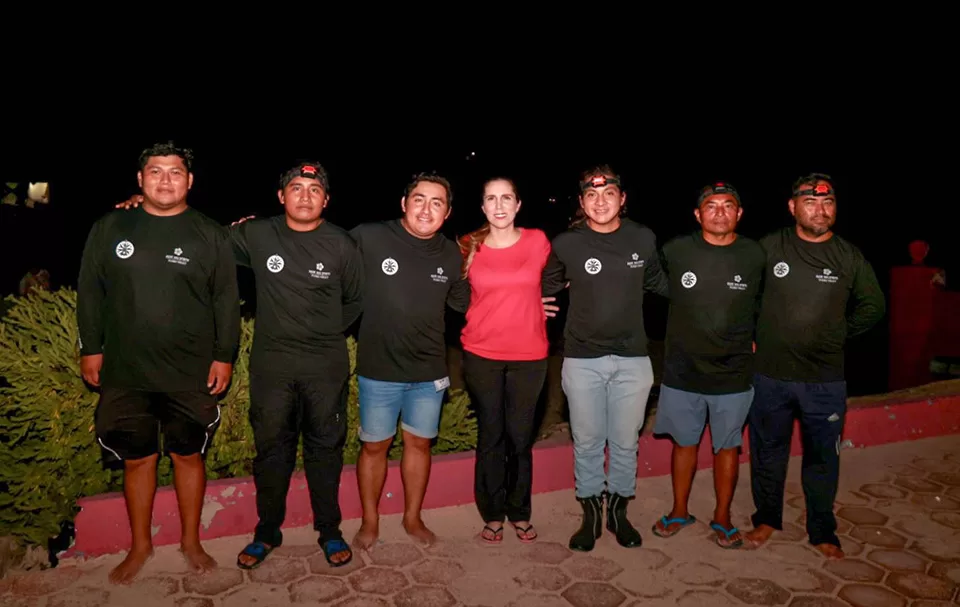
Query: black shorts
[129, 423]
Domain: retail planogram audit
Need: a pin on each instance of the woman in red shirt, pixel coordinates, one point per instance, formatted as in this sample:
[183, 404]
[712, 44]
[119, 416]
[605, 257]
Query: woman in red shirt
[505, 357]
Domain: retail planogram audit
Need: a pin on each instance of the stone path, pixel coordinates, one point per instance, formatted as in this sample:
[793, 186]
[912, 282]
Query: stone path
[899, 512]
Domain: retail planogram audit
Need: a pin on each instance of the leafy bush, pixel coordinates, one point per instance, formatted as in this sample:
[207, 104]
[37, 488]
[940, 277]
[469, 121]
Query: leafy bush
[49, 457]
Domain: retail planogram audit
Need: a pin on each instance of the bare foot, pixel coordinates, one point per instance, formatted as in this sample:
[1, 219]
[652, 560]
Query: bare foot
[759, 536]
[830, 551]
[367, 535]
[197, 558]
[417, 530]
[131, 566]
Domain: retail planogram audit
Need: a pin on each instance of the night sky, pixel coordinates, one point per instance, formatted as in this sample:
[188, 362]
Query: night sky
[889, 180]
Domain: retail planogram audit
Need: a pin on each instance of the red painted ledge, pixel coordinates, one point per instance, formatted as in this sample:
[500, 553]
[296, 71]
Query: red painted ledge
[230, 505]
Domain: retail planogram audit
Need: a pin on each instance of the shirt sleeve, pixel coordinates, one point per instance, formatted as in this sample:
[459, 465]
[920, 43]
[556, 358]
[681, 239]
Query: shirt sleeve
[226, 301]
[352, 284]
[655, 277]
[554, 276]
[458, 298]
[91, 294]
[238, 240]
[869, 303]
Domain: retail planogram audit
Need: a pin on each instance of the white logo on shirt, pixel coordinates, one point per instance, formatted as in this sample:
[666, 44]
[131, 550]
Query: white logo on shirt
[390, 266]
[319, 273]
[593, 266]
[781, 269]
[275, 263]
[737, 284]
[635, 262]
[178, 258]
[827, 276]
[439, 277]
[124, 249]
[688, 280]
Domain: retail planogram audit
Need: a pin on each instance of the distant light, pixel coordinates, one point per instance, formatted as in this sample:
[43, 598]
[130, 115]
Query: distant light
[39, 192]
[473, 153]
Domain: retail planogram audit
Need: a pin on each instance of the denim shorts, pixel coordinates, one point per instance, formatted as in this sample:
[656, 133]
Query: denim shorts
[415, 404]
[683, 415]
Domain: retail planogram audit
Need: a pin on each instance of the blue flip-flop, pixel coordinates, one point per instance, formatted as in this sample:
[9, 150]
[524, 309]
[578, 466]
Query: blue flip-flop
[333, 546]
[257, 550]
[669, 521]
[727, 532]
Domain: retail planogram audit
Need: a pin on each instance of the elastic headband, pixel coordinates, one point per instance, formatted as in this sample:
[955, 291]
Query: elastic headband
[598, 182]
[720, 187]
[821, 189]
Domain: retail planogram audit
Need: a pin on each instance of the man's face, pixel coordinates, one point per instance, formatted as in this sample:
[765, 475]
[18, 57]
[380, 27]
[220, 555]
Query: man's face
[425, 209]
[165, 181]
[602, 204]
[815, 215]
[303, 200]
[718, 214]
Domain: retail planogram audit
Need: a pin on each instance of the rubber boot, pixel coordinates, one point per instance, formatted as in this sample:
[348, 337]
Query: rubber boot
[617, 521]
[592, 527]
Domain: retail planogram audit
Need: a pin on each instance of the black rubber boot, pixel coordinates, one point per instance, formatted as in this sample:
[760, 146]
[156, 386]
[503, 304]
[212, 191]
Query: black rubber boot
[592, 527]
[617, 521]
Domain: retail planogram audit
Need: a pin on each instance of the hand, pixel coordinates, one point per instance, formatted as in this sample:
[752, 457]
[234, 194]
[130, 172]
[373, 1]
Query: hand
[135, 201]
[242, 219]
[219, 377]
[754, 347]
[90, 368]
[549, 310]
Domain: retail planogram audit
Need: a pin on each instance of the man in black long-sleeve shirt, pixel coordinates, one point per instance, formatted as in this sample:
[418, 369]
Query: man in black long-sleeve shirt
[309, 281]
[812, 276]
[413, 274]
[159, 324]
[609, 262]
[715, 278]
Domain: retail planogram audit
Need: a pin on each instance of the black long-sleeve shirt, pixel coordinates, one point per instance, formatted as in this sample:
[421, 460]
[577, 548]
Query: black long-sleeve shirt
[309, 291]
[805, 318]
[714, 300]
[608, 274]
[158, 297]
[410, 281]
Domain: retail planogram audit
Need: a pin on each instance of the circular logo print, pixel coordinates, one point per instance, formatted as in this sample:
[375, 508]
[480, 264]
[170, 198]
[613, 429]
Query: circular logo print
[124, 249]
[781, 269]
[389, 266]
[275, 263]
[688, 279]
[593, 266]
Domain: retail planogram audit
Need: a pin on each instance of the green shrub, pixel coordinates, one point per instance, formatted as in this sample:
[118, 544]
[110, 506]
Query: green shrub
[49, 457]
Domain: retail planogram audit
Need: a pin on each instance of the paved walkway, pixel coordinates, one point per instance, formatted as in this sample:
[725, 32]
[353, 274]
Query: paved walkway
[899, 508]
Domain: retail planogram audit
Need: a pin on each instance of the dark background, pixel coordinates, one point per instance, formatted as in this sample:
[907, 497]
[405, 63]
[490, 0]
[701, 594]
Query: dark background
[891, 181]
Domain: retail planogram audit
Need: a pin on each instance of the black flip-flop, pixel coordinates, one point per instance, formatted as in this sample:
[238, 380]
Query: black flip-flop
[333, 546]
[257, 550]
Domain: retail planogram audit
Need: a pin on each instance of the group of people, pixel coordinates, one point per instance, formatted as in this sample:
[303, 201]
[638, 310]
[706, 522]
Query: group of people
[755, 329]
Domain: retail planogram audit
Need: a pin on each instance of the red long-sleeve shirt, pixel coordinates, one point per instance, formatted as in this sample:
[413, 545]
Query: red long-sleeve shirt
[505, 320]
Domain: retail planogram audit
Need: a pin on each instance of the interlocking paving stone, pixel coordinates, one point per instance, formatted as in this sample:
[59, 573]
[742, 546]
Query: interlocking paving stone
[363, 601]
[278, 571]
[193, 601]
[539, 600]
[937, 549]
[318, 564]
[395, 554]
[907, 470]
[296, 551]
[852, 498]
[918, 485]
[795, 553]
[436, 572]
[698, 574]
[214, 582]
[542, 578]
[898, 560]
[550, 553]
[878, 536]
[920, 586]
[863, 595]
[884, 491]
[79, 597]
[378, 580]
[854, 570]
[593, 594]
[951, 479]
[947, 519]
[424, 596]
[705, 598]
[39, 583]
[157, 585]
[257, 594]
[592, 568]
[850, 546]
[934, 465]
[318, 588]
[817, 601]
[801, 579]
[862, 516]
[758, 591]
[946, 571]
[936, 502]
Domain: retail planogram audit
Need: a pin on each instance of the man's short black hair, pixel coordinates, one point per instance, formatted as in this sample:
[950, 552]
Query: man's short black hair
[431, 177]
[167, 149]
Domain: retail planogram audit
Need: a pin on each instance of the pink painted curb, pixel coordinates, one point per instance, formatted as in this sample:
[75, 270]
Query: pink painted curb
[230, 505]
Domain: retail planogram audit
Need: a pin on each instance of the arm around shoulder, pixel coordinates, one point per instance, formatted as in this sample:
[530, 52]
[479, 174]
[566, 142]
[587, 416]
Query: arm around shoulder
[870, 304]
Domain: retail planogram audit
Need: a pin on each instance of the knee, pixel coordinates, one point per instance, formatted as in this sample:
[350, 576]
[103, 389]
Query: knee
[376, 449]
[191, 460]
[416, 443]
[141, 462]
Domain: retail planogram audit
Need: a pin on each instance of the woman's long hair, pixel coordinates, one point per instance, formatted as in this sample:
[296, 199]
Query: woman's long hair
[470, 244]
